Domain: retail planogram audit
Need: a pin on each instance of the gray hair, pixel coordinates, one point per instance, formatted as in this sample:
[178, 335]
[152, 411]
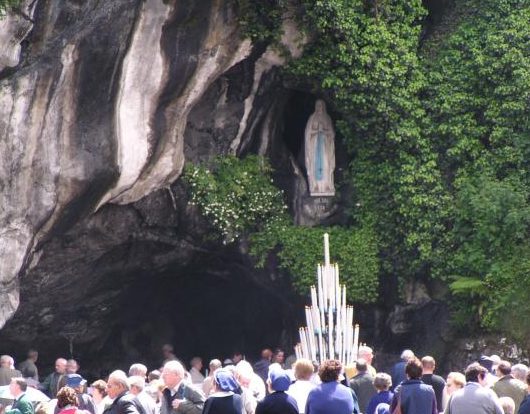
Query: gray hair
[136, 381]
[365, 350]
[175, 367]
[407, 355]
[215, 364]
[119, 377]
[520, 371]
[5, 360]
[138, 370]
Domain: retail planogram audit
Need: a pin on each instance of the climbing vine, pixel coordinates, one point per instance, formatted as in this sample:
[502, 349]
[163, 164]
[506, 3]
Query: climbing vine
[6, 4]
[240, 200]
[478, 102]
[237, 196]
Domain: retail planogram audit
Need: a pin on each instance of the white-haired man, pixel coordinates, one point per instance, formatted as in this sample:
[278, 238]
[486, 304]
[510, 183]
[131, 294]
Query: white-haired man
[6, 370]
[179, 397]
[137, 388]
[123, 401]
[398, 371]
[367, 353]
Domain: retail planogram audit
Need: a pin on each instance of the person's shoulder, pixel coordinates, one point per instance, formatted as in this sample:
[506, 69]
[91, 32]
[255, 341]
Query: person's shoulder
[438, 379]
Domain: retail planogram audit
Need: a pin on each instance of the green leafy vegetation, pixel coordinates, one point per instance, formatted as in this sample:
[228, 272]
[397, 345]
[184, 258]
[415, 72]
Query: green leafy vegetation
[237, 196]
[438, 134]
[6, 4]
[239, 199]
[478, 101]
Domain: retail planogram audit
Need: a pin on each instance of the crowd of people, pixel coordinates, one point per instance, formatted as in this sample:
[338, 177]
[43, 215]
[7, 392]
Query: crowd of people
[273, 385]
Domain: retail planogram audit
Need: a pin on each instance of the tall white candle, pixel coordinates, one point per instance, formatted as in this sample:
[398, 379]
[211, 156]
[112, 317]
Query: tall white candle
[326, 249]
[330, 334]
[356, 342]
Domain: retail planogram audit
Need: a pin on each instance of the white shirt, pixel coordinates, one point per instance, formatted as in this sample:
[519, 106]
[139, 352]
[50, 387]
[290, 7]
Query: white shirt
[299, 390]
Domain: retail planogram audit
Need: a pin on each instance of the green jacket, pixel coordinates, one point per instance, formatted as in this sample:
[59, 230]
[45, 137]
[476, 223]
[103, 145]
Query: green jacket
[22, 405]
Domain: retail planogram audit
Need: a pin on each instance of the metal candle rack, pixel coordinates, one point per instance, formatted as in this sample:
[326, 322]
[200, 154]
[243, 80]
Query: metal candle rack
[330, 333]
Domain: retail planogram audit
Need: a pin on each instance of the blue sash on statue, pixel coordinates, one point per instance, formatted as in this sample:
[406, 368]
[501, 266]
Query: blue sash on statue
[319, 155]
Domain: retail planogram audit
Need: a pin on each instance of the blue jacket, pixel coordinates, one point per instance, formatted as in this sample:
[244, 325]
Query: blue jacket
[381, 397]
[277, 403]
[331, 397]
[415, 398]
[525, 406]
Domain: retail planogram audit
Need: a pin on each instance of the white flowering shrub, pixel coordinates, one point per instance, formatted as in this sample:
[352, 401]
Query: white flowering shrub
[237, 196]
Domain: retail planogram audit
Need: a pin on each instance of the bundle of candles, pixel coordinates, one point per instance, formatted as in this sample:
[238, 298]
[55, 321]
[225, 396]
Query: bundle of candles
[330, 333]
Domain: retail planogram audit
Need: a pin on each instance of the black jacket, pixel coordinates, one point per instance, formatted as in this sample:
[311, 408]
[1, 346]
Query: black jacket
[125, 403]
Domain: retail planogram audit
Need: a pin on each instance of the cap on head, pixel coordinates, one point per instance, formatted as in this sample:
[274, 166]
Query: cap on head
[279, 379]
[75, 380]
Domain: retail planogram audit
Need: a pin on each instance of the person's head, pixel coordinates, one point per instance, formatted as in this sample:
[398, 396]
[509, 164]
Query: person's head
[266, 354]
[519, 371]
[214, 364]
[167, 351]
[99, 389]
[136, 384]
[486, 362]
[224, 380]
[428, 364]
[5, 361]
[17, 386]
[60, 366]
[330, 370]
[33, 355]
[278, 380]
[154, 375]
[173, 373]
[407, 355]
[75, 381]
[72, 366]
[279, 356]
[117, 384]
[528, 379]
[413, 369]
[507, 404]
[236, 357]
[361, 366]
[196, 362]
[366, 353]
[138, 370]
[244, 373]
[504, 368]
[476, 373]
[303, 369]
[382, 381]
[455, 381]
[66, 396]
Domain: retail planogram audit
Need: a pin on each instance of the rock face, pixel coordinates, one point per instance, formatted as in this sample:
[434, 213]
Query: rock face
[101, 104]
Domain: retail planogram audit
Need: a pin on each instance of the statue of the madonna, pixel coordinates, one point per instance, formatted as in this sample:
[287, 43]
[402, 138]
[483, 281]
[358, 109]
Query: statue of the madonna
[320, 152]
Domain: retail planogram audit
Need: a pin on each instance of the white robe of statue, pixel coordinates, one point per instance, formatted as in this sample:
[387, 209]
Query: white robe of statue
[320, 152]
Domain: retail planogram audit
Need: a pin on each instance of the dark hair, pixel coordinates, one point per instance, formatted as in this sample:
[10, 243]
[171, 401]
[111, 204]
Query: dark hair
[528, 378]
[329, 370]
[504, 367]
[474, 372]
[361, 365]
[21, 383]
[66, 396]
[414, 369]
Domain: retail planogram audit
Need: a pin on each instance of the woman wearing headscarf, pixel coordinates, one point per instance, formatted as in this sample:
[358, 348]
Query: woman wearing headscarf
[225, 399]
